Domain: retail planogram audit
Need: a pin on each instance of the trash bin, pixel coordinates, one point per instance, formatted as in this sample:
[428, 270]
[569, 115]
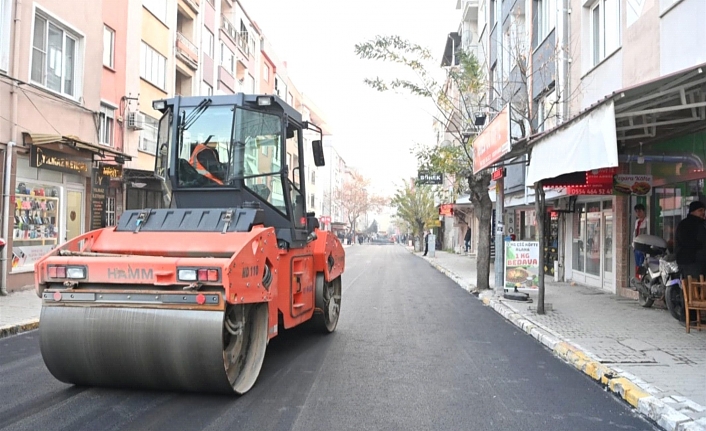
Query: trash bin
[432, 245]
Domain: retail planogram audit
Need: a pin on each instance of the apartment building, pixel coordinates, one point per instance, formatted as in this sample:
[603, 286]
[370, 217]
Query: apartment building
[78, 134]
[613, 88]
[55, 131]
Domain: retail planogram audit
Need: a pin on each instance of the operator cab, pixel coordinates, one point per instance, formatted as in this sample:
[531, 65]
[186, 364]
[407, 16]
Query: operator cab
[238, 151]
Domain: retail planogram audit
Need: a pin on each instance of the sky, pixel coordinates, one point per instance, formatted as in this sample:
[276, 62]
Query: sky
[373, 132]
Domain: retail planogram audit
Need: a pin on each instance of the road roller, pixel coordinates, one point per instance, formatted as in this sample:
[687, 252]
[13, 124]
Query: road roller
[187, 296]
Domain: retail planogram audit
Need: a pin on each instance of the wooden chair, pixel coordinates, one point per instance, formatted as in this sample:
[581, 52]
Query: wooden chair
[694, 299]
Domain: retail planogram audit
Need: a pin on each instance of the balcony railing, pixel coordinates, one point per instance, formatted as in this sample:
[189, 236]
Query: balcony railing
[187, 51]
[241, 39]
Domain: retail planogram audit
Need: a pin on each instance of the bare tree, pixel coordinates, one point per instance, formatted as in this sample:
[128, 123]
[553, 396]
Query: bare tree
[356, 200]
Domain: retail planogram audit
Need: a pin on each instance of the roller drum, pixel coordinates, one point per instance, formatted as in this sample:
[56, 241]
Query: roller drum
[163, 349]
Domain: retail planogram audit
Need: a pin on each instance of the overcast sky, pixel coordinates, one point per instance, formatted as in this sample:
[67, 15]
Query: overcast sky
[373, 131]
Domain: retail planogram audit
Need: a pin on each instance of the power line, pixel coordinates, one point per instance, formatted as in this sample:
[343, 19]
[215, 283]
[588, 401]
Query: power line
[38, 111]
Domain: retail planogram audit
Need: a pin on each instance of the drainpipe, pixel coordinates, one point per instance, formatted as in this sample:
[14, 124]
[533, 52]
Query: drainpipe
[683, 158]
[6, 214]
[10, 148]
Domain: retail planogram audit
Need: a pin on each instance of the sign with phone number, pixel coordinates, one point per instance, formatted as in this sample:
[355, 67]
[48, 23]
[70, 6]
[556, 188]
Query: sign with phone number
[590, 190]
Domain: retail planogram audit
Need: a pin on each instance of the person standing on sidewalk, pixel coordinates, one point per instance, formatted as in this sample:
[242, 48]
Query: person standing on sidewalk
[690, 241]
[426, 242]
[467, 239]
[642, 226]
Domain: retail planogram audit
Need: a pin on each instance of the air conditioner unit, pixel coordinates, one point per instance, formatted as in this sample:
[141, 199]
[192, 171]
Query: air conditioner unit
[136, 121]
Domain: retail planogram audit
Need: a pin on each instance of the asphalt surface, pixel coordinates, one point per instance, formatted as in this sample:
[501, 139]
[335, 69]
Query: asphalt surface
[413, 351]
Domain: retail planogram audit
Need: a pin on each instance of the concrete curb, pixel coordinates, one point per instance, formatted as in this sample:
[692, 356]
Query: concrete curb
[636, 392]
[16, 328]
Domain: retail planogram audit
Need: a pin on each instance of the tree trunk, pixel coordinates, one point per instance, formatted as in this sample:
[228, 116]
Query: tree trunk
[484, 208]
[540, 209]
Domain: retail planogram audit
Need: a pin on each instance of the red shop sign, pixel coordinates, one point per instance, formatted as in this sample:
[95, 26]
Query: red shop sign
[596, 189]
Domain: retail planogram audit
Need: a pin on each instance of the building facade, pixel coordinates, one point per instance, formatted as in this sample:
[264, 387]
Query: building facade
[614, 88]
[77, 130]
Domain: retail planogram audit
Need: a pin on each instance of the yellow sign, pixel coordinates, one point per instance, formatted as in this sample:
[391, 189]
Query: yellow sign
[435, 223]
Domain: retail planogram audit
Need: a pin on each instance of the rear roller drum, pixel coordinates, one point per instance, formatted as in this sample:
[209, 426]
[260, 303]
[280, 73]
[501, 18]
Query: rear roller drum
[328, 303]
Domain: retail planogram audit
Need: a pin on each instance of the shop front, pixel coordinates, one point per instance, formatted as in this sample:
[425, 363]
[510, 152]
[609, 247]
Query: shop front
[53, 200]
[49, 205]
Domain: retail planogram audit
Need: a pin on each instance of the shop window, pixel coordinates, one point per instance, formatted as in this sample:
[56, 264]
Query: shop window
[593, 238]
[36, 223]
[578, 238]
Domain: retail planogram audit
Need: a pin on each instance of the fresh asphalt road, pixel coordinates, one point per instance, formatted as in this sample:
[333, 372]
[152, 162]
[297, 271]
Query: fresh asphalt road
[413, 351]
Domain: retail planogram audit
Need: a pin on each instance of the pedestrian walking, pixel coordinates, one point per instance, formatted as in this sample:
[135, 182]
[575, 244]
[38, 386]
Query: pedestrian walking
[467, 239]
[426, 242]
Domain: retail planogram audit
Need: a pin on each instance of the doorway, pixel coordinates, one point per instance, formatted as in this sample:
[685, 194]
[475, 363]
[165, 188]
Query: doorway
[74, 214]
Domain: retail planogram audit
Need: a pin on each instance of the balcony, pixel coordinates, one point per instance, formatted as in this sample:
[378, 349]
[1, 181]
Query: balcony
[194, 5]
[240, 38]
[470, 11]
[187, 51]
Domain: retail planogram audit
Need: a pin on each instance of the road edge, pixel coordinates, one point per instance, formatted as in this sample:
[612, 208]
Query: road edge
[625, 385]
[17, 328]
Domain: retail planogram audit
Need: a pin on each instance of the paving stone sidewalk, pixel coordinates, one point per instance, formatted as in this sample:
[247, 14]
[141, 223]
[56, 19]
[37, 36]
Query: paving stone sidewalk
[643, 355]
[19, 311]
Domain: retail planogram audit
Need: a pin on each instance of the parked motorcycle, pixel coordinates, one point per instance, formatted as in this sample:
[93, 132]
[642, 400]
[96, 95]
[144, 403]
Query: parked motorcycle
[658, 273]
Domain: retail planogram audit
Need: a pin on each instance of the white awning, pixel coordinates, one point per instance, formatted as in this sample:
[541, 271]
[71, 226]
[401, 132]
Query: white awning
[585, 144]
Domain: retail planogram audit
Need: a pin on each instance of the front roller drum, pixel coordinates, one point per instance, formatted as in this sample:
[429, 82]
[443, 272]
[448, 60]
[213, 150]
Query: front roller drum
[162, 349]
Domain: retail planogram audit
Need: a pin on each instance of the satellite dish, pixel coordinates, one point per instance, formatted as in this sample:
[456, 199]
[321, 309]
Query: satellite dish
[446, 143]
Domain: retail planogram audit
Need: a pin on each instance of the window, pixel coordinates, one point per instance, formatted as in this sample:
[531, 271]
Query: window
[208, 42]
[547, 111]
[313, 177]
[227, 58]
[54, 52]
[5, 26]
[546, 18]
[148, 136]
[109, 211]
[158, 8]
[106, 125]
[605, 29]
[153, 66]
[206, 90]
[312, 202]
[266, 73]
[108, 47]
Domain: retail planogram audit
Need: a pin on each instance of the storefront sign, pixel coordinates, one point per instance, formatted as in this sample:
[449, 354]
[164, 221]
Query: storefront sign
[639, 185]
[446, 209]
[27, 256]
[424, 177]
[521, 265]
[114, 173]
[492, 143]
[99, 189]
[49, 159]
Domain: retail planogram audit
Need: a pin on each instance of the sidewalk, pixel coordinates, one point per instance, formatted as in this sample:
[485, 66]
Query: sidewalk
[19, 312]
[641, 354]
